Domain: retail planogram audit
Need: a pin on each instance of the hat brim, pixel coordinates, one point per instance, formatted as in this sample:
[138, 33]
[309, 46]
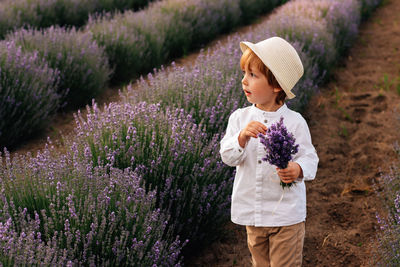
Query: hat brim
[248, 45]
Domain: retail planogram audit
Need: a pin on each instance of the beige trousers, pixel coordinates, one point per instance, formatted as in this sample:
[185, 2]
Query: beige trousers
[276, 246]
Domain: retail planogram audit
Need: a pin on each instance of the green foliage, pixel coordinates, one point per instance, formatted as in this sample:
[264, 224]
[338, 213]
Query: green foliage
[28, 97]
[84, 71]
[55, 211]
[46, 13]
[343, 131]
[137, 42]
[174, 157]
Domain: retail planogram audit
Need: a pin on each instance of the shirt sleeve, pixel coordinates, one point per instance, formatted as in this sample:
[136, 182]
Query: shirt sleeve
[307, 156]
[231, 152]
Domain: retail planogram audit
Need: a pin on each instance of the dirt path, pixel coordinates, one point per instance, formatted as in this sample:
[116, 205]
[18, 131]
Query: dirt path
[354, 126]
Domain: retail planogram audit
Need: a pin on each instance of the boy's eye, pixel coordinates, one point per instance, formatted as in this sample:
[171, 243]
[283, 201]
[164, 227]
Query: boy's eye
[252, 74]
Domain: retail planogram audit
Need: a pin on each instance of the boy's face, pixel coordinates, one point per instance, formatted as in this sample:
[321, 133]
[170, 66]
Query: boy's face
[257, 89]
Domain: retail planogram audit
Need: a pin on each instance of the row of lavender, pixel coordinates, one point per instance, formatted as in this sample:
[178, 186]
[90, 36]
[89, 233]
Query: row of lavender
[140, 258]
[41, 76]
[84, 206]
[210, 90]
[43, 70]
[44, 13]
[388, 250]
[59, 210]
[136, 42]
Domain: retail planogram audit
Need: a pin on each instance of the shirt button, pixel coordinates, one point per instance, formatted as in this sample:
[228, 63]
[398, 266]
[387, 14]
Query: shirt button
[259, 161]
[240, 150]
[265, 121]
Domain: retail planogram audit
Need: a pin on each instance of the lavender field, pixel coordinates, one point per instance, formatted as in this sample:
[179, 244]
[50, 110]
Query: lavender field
[16, 14]
[139, 183]
[114, 47]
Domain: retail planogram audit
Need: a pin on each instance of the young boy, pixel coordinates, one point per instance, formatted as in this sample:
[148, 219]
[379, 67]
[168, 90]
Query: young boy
[274, 217]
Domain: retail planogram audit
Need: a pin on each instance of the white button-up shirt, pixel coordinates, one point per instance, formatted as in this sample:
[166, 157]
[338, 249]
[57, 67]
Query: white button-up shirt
[258, 198]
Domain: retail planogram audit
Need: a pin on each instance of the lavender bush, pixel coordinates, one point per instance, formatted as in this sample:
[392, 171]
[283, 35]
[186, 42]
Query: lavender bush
[211, 89]
[6, 21]
[130, 49]
[317, 41]
[166, 29]
[173, 156]
[205, 18]
[324, 30]
[341, 18]
[59, 210]
[279, 145]
[388, 236]
[28, 97]
[251, 8]
[45, 13]
[208, 91]
[138, 42]
[84, 71]
[113, 5]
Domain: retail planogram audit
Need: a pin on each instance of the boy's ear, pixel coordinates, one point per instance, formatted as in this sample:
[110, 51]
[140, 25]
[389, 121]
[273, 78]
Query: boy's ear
[277, 89]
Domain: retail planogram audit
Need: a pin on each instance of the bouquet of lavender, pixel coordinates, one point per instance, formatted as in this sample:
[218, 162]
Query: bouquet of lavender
[279, 145]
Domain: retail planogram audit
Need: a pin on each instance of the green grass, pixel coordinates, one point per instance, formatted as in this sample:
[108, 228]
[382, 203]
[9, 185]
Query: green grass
[343, 131]
[345, 114]
[387, 82]
[338, 97]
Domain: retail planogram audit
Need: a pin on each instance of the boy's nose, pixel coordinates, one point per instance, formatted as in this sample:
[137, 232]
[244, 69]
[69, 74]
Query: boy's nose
[244, 81]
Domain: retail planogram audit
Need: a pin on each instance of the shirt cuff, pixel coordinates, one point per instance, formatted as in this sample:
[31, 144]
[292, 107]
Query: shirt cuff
[307, 175]
[235, 144]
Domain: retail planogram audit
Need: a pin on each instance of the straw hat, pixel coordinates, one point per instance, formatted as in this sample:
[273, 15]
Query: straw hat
[281, 58]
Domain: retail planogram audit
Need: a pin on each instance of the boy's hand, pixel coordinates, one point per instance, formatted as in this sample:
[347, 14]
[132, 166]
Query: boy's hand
[251, 130]
[291, 173]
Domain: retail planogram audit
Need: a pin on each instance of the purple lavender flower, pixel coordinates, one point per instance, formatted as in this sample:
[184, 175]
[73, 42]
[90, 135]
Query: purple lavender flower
[388, 230]
[28, 97]
[45, 13]
[83, 65]
[79, 218]
[279, 145]
[175, 158]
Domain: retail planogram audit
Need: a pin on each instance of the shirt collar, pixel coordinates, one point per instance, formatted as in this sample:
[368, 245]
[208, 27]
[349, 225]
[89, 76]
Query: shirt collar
[269, 114]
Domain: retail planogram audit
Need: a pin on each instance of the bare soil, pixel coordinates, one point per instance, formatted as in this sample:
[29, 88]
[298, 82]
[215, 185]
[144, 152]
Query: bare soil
[353, 123]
